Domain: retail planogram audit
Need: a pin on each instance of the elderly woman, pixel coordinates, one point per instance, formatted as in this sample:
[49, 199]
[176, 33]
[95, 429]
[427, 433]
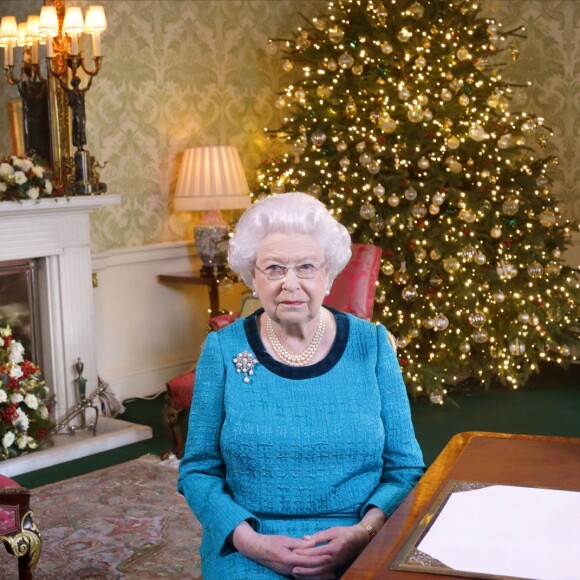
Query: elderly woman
[300, 440]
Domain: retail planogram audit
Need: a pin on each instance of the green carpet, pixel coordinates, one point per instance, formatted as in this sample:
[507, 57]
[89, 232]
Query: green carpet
[548, 405]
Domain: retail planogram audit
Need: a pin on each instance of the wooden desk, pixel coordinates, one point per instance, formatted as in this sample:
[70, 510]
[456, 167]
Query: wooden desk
[475, 456]
[212, 282]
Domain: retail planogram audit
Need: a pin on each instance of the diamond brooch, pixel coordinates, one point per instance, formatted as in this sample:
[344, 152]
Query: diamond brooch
[245, 362]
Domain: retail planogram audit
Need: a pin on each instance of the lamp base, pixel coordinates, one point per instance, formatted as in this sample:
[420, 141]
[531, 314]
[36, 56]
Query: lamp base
[211, 237]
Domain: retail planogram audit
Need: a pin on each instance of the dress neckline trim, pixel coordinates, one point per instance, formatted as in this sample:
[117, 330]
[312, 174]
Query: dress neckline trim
[305, 372]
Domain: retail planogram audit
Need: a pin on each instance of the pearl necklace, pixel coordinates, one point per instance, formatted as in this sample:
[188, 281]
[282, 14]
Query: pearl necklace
[297, 360]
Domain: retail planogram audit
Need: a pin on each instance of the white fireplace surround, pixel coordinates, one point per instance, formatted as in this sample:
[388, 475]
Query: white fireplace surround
[56, 231]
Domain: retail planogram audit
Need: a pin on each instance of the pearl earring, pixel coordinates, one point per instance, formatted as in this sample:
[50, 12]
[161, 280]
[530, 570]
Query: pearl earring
[327, 292]
[254, 294]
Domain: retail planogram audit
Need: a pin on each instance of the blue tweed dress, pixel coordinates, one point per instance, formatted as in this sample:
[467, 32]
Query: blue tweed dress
[296, 449]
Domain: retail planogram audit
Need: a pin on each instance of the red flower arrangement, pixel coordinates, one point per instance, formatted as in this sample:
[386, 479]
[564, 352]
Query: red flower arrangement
[25, 403]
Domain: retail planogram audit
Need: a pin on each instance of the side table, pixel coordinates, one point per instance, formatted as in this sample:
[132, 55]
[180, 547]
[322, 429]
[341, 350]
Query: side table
[197, 279]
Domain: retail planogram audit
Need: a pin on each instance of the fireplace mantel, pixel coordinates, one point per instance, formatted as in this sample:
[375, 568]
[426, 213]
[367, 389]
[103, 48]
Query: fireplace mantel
[57, 231]
[46, 206]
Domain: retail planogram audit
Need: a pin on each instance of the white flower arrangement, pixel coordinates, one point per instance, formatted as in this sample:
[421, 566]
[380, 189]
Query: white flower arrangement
[24, 178]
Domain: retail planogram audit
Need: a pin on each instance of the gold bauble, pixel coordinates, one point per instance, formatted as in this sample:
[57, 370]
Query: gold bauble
[463, 53]
[451, 265]
[393, 200]
[423, 163]
[401, 277]
[547, 218]
[480, 336]
[420, 254]
[335, 34]
[435, 254]
[477, 319]
[387, 269]
[453, 143]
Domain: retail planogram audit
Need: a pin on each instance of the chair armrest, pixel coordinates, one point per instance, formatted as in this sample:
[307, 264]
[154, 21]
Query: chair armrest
[221, 320]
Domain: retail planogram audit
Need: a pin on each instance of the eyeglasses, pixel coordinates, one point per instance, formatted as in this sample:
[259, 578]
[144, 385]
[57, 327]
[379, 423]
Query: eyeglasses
[277, 272]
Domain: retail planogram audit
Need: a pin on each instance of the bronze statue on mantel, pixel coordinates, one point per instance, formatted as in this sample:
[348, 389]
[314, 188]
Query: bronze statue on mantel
[82, 177]
[76, 101]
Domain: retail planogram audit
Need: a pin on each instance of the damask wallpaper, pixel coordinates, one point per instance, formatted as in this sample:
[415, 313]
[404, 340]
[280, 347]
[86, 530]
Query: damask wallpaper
[550, 61]
[181, 73]
[177, 74]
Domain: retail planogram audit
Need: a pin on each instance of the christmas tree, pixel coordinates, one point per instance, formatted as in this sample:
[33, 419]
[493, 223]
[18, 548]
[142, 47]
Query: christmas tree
[398, 119]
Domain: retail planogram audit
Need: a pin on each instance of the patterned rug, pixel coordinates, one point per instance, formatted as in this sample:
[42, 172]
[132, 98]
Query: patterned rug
[125, 521]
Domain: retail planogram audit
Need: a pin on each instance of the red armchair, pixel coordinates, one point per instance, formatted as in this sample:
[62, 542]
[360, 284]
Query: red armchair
[18, 532]
[353, 291]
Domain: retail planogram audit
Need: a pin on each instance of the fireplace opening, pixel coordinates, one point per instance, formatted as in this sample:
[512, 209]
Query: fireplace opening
[20, 306]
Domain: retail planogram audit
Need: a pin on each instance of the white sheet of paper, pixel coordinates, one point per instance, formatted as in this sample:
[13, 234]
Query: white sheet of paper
[522, 532]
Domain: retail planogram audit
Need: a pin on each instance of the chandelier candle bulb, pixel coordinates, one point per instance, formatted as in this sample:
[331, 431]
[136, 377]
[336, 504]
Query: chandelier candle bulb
[8, 36]
[33, 36]
[95, 23]
[48, 26]
[96, 36]
[21, 34]
[73, 25]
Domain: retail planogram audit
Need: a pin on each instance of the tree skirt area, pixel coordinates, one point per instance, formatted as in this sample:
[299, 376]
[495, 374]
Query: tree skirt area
[126, 521]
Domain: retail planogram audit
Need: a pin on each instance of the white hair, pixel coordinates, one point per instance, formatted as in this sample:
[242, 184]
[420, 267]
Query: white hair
[293, 212]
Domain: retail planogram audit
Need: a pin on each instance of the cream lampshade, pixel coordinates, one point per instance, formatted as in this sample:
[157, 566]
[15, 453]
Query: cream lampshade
[211, 179]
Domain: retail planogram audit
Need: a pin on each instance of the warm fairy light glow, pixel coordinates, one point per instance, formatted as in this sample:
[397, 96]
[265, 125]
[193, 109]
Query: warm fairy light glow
[401, 124]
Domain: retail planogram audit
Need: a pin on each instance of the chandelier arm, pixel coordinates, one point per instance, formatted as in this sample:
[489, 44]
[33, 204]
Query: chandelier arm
[10, 78]
[95, 71]
[37, 73]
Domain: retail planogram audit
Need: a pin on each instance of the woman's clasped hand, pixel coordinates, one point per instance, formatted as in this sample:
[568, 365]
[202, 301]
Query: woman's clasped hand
[315, 556]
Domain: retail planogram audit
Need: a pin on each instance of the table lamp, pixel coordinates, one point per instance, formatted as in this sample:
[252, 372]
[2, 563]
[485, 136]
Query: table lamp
[211, 179]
